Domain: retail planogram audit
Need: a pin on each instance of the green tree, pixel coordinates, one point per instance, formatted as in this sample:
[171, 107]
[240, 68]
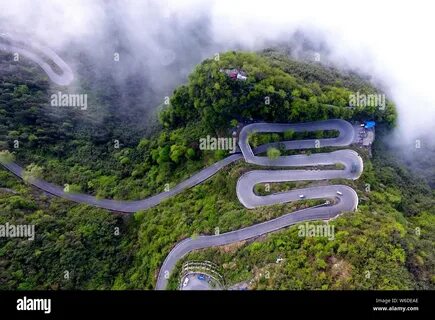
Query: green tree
[273, 153]
[32, 172]
[164, 154]
[177, 152]
[190, 154]
[288, 134]
[6, 156]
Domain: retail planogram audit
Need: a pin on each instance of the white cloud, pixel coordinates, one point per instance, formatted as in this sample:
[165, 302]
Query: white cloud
[393, 41]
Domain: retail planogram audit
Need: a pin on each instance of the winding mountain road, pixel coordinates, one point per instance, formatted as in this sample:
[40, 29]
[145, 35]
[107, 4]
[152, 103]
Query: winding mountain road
[21, 46]
[119, 205]
[346, 201]
[345, 198]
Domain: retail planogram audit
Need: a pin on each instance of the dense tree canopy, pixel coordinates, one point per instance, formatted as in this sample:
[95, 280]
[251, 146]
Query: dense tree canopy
[270, 93]
[98, 153]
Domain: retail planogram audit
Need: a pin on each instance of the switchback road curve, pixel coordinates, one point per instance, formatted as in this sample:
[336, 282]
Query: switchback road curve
[345, 198]
[46, 58]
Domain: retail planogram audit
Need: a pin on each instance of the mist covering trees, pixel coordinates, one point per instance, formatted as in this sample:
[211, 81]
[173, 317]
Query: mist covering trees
[269, 94]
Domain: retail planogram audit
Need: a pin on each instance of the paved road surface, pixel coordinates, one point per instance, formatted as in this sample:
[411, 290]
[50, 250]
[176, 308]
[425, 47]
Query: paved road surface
[119, 205]
[347, 201]
[22, 47]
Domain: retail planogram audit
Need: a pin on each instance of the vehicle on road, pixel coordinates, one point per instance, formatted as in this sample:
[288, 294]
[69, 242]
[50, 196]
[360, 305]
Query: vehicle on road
[339, 193]
[301, 196]
[186, 281]
[353, 168]
[201, 277]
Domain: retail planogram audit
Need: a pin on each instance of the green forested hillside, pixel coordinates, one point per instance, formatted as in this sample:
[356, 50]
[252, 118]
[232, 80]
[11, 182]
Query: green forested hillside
[386, 244]
[74, 148]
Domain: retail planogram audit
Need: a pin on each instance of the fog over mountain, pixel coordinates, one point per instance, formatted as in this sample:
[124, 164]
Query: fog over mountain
[162, 40]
